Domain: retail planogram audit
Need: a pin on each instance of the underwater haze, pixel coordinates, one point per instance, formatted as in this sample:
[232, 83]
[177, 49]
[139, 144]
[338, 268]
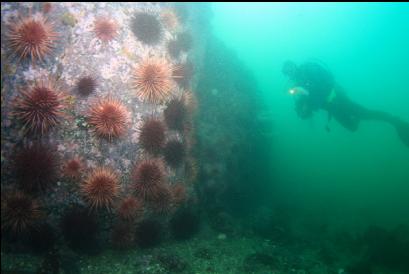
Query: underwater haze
[351, 178]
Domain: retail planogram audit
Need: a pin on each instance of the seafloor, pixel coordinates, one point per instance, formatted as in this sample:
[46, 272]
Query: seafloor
[208, 252]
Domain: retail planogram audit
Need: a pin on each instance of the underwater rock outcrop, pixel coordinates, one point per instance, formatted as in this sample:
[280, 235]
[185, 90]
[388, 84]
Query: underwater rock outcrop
[84, 90]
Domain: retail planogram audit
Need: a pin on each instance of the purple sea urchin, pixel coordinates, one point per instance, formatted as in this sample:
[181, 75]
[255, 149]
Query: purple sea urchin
[147, 28]
[86, 85]
[152, 135]
[175, 114]
[174, 153]
[36, 168]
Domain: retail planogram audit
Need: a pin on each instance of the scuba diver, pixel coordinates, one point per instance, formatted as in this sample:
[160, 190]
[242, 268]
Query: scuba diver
[315, 89]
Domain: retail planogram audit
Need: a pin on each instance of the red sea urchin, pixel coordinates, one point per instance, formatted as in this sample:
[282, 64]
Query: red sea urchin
[162, 202]
[190, 101]
[36, 168]
[170, 19]
[179, 194]
[105, 29]
[130, 208]
[47, 7]
[73, 168]
[109, 118]
[19, 213]
[152, 80]
[32, 37]
[39, 107]
[147, 177]
[101, 188]
[152, 135]
[183, 74]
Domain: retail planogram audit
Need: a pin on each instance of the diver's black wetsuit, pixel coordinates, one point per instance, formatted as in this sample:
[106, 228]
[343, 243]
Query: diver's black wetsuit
[317, 80]
[324, 93]
[349, 113]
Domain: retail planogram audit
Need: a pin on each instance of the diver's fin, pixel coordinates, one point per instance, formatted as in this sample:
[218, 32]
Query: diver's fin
[403, 131]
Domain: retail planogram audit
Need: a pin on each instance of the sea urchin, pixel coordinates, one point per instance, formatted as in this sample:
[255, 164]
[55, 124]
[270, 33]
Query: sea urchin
[152, 135]
[152, 80]
[86, 85]
[109, 118]
[105, 29]
[182, 43]
[170, 19]
[39, 107]
[174, 153]
[183, 73]
[179, 194]
[147, 177]
[73, 168]
[32, 37]
[130, 208]
[101, 188]
[175, 114]
[190, 101]
[19, 213]
[35, 167]
[147, 28]
[162, 202]
[174, 49]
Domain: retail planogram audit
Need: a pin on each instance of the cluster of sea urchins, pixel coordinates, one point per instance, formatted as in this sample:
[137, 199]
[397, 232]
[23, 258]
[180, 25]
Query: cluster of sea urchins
[40, 107]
